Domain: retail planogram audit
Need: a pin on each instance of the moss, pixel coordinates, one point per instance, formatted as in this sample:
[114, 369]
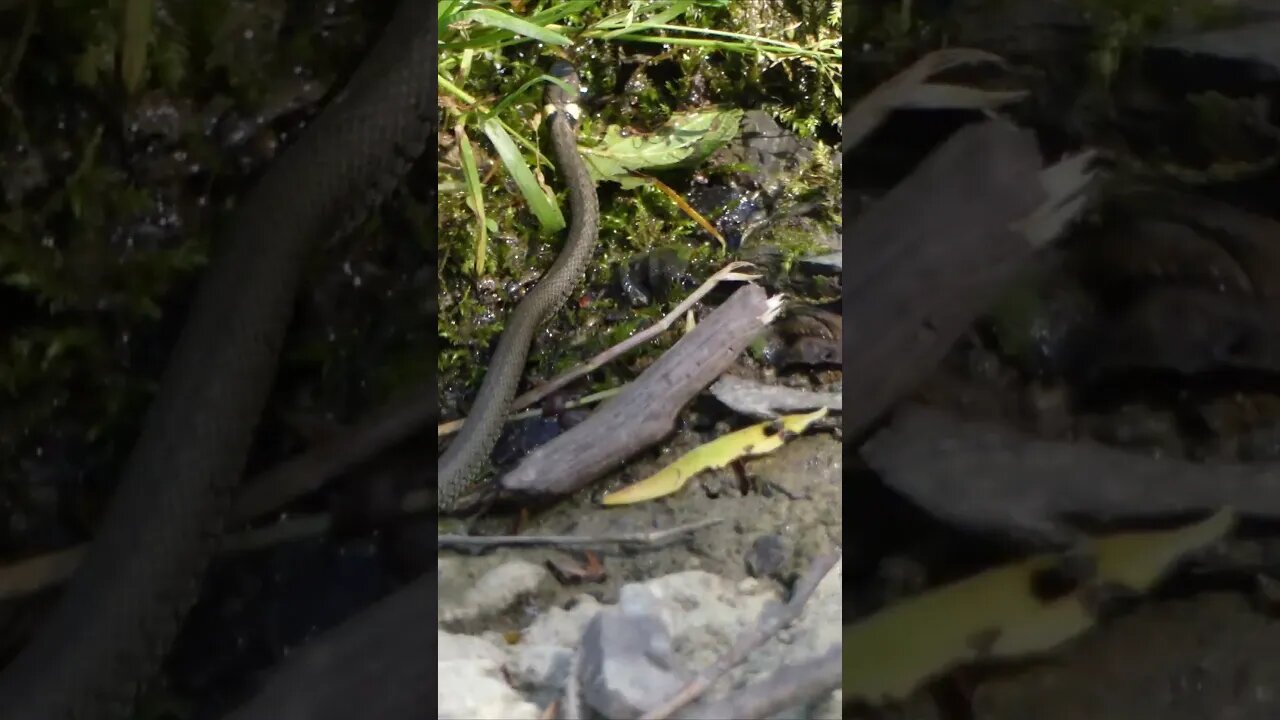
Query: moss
[632, 221]
[98, 247]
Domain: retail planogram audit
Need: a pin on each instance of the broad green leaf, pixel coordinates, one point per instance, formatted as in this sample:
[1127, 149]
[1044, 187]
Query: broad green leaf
[686, 138]
[495, 18]
[996, 614]
[542, 204]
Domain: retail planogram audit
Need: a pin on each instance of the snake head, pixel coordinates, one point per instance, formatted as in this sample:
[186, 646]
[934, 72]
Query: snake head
[557, 99]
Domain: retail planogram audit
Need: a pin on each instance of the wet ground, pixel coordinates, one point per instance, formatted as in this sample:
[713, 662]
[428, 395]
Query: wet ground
[791, 516]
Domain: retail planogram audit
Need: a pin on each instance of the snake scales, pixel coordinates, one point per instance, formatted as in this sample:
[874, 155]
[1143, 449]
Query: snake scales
[108, 632]
[463, 464]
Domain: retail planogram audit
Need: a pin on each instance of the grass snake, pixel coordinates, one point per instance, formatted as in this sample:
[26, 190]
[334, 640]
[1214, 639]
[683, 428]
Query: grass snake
[463, 465]
[113, 624]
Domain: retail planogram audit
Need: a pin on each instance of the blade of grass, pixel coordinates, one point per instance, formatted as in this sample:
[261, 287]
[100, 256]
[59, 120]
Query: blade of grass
[445, 9]
[624, 20]
[448, 86]
[489, 17]
[738, 47]
[475, 196]
[541, 204]
[135, 36]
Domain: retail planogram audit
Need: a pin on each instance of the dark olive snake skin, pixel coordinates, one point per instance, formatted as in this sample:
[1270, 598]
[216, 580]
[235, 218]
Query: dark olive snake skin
[463, 465]
[112, 626]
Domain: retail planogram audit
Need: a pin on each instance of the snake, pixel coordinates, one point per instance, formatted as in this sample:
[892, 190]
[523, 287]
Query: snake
[464, 464]
[105, 637]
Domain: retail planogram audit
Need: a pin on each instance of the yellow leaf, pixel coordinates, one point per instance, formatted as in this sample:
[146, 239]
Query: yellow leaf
[751, 441]
[997, 615]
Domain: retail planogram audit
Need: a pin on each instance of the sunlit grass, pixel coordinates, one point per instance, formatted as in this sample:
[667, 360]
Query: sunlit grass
[473, 30]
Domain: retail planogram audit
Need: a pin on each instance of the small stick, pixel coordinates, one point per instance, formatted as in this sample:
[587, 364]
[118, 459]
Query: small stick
[308, 472]
[773, 619]
[453, 426]
[649, 538]
[37, 573]
[728, 272]
[34, 574]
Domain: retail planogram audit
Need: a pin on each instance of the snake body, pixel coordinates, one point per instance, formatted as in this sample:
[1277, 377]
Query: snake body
[108, 632]
[463, 464]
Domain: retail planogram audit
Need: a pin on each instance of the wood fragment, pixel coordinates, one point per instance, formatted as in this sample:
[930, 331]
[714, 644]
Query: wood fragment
[646, 409]
[645, 539]
[935, 252]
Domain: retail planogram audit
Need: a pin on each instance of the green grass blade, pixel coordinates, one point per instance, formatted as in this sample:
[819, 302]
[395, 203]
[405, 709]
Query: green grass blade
[475, 198]
[540, 202]
[497, 19]
[135, 37]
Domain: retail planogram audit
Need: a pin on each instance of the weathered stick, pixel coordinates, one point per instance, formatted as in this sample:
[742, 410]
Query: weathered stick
[309, 471]
[379, 665]
[629, 540]
[937, 250]
[646, 409]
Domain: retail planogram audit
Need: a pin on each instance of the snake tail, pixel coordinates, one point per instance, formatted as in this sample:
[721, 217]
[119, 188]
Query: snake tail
[463, 465]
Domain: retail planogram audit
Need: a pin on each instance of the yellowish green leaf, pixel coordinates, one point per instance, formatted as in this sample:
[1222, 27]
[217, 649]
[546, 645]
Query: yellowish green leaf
[756, 440]
[997, 615]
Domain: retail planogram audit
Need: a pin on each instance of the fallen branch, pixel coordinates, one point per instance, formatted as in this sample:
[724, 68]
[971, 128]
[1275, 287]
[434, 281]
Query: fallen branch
[645, 539]
[909, 89]
[773, 619]
[935, 252]
[43, 571]
[646, 409]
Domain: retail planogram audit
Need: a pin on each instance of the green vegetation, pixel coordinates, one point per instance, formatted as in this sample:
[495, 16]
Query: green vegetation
[126, 130]
[648, 65]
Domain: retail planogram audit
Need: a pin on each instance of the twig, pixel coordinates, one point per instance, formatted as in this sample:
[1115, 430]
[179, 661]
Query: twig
[453, 426]
[37, 573]
[295, 528]
[34, 574]
[909, 88]
[648, 539]
[309, 471]
[773, 619]
[728, 272]
[789, 686]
